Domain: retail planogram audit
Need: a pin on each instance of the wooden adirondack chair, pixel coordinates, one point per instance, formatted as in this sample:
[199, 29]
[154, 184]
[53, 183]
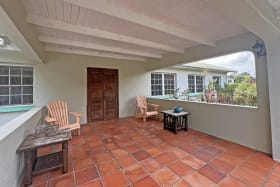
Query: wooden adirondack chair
[142, 108]
[58, 114]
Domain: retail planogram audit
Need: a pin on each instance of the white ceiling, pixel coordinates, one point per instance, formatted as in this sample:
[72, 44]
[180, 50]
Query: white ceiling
[127, 29]
[276, 6]
[274, 3]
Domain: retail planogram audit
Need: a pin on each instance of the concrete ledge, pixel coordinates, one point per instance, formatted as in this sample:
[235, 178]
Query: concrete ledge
[12, 125]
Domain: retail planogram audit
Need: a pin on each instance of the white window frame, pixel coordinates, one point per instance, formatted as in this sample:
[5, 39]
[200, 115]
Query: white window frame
[163, 82]
[195, 85]
[10, 85]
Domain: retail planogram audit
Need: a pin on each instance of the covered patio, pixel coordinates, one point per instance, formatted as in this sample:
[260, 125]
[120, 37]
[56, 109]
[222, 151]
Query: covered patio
[60, 41]
[128, 152]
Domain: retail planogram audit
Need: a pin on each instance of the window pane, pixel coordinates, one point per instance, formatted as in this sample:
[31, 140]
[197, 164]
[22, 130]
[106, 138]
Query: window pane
[16, 99]
[4, 100]
[15, 70]
[27, 80]
[27, 99]
[4, 80]
[4, 90]
[191, 85]
[27, 90]
[15, 80]
[169, 83]
[156, 84]
[12, 81]
[199, 83]
[4, 70]
[27, 71]
[15, 90]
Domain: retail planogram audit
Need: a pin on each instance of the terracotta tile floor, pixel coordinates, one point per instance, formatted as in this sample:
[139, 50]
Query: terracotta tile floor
[128, 152]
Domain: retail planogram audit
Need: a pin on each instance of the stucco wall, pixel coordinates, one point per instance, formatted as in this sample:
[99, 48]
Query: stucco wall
[65, 77]
[5, 117]
[11, 136]
[273, 59]
[245, 126]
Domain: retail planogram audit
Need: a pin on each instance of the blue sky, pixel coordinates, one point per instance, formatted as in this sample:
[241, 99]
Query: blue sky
[241, 62]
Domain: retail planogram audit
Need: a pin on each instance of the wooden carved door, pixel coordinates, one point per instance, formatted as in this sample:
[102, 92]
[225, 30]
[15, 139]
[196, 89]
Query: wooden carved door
[102, 94]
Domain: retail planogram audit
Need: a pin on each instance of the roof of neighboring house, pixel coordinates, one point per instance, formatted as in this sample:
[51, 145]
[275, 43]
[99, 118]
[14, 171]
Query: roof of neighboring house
[203, 66]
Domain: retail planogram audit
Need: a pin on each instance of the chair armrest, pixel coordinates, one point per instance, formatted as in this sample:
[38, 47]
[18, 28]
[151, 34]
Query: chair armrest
[50, 119]
[154, 105]
[76, 114]
[141, 106]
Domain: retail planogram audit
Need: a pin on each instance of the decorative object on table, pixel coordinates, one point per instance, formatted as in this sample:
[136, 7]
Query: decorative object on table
[58, 114]
[46, 130]
[142, 108]
[178, 109]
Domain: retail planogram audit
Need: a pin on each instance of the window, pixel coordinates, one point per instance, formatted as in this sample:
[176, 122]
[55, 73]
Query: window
[195, 83]
[169, 84]
[162, 83]
[156, 84]
[217, 81]
[16, 85]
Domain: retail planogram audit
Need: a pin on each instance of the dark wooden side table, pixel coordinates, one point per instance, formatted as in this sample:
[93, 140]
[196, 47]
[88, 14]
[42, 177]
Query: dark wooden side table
[175, 121]
[35, 164]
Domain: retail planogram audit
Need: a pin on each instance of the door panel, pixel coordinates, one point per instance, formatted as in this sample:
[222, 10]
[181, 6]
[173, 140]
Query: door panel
[102, 93]
[110, 94]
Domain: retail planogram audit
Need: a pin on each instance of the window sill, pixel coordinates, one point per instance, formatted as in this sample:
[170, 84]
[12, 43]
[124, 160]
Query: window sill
[17, 108]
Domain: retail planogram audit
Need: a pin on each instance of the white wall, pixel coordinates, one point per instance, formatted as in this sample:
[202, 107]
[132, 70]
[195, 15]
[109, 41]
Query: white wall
[273, 59]
[65, 77]
[7, 116]
[11, 136]
[242, 125]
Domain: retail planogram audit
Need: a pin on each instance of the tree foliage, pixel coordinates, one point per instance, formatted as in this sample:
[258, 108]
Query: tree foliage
[245, 92]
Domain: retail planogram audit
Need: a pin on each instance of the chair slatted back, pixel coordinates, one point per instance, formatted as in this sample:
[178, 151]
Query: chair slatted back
[141, 101]
[59, 111]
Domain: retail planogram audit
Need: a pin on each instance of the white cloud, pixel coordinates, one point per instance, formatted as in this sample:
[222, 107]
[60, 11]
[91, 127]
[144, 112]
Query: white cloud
[242, 62]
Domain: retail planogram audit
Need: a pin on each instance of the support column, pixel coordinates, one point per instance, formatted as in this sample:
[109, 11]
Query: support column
[273, 64]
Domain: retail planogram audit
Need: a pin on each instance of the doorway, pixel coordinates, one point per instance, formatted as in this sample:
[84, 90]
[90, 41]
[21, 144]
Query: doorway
[102, 94]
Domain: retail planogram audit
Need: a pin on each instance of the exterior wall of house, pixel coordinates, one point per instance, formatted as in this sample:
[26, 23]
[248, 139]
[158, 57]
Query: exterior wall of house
[11, 136]
[64, 76]
[182, 76]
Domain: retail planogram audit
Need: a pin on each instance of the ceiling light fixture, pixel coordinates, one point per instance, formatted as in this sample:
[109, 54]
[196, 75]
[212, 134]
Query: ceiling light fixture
[4, 41]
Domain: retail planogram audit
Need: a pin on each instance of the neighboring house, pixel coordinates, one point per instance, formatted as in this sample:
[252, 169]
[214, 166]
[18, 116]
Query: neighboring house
[193, 77]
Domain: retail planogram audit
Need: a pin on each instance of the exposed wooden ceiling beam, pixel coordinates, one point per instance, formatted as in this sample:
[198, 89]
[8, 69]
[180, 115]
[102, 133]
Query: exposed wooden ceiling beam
[92, 53]
[88, 45]
[133, 17]
[60, 25]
